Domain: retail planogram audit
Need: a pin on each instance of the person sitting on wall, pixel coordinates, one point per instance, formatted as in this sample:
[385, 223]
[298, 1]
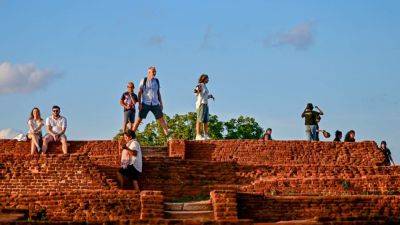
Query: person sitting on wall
[311, 119]
[268, 135]
[338, 136]
[131, 160]
[350, 136]
[56, 125]
[35, 124]
[388, 154]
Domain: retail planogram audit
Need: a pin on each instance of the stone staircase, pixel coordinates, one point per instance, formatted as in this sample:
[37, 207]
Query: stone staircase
[201, 210]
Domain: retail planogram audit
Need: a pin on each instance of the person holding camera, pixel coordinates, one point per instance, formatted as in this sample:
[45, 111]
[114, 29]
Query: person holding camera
[131, 160]
[202, 110]
[311, 119]
[128, 101]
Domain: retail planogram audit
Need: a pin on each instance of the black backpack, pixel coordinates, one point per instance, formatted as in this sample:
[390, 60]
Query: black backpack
[145, 82]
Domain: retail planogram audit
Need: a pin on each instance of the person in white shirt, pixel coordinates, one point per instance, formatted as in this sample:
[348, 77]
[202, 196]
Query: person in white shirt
[35, 124]
[131, 159]
[202, 111]
[56, 125]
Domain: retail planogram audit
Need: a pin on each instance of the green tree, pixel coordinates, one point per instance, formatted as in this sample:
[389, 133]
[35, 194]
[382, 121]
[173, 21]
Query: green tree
[183, 127]
[243, 128]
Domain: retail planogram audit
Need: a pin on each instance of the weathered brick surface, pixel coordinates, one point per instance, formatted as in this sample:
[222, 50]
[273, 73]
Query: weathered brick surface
[224, 205]
[93, 206]
[279, 180]
[92, 148]
[259, 152]
[267, 208]
[152, 205]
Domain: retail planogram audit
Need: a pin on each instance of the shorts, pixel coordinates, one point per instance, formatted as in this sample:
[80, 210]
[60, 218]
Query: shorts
[155, 109]
[129, 116]
[203, 115]
[50, 138]
[130, 173]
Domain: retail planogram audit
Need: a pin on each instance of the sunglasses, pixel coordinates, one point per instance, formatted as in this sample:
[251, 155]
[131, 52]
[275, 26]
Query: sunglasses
[131, 87]
[56, 111]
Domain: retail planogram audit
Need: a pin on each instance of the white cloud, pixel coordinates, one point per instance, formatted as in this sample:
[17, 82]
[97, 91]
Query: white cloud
[8, 133]
[300, 37]
[23, 78]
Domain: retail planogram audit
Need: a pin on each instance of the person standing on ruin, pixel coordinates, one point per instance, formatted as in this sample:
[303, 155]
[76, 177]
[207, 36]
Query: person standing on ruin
[131, 159]
[128, 101]
[202, 110]
[350, 136]
[311, 118]
[150, 100]
[56, 125]
[35, 124]
[387, 153]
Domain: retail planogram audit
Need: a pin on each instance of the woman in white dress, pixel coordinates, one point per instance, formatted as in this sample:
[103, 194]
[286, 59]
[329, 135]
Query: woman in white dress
[35, 124]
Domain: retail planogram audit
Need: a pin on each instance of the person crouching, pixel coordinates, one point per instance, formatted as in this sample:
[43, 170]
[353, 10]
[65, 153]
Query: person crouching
[131, 159]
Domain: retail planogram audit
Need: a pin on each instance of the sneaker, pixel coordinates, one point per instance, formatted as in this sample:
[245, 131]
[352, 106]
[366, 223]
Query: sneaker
[206, 137]
[199, 138]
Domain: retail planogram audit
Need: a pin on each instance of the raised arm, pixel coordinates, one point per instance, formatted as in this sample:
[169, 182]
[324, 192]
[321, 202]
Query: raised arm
[319, 110]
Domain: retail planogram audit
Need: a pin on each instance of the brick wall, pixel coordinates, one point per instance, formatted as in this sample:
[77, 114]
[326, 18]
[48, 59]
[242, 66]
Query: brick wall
[92, 206]
[258, 152]
[92, 148]
[224, 205]
[272, 209]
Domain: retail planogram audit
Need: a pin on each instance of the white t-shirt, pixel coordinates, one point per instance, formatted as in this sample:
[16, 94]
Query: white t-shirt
[34, 124]
[136, 161]
[57, 125]
[203, 96]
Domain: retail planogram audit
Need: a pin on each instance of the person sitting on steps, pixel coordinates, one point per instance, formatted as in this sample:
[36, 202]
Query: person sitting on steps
[203, 115]
[388, 154]
[338, 136]
[150, 100]
[131, 159]
[56, 125]
[268, 135]
[350, 136]
[35, 124]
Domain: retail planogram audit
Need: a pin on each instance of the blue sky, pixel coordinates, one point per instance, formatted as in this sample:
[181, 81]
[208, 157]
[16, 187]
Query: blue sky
[266, 59]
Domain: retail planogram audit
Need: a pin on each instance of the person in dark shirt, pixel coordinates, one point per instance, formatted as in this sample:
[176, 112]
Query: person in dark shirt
[311, 119]
[388, 154]
[338, 136]
[268, 135]
[128, 101]
[350, 136]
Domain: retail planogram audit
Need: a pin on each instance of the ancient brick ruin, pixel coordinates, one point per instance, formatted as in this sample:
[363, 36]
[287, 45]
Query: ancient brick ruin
[202, 182]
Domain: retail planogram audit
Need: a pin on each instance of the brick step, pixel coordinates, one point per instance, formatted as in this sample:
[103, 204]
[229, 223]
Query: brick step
[188, 206]
[193, 215]
[12, 217]
[379, 184]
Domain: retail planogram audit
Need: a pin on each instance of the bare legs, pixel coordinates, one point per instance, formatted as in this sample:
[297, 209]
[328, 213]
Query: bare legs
[200, 125]
[34, 143]
[161, 121]
[50, 138]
